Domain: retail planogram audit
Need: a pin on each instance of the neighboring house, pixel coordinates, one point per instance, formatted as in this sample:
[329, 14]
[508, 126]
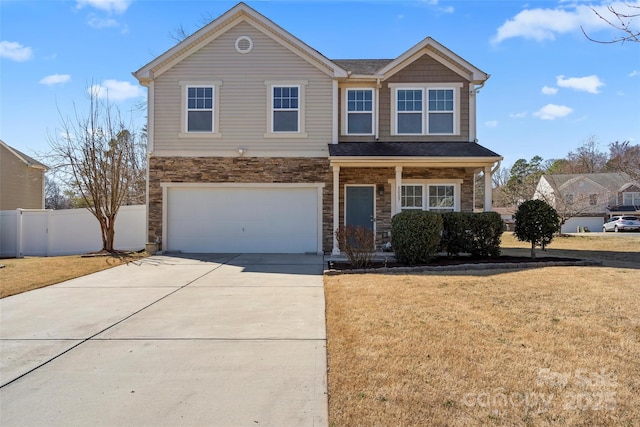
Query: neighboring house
[586, 200]
[507, 214]
[259, 143]
[21, 180]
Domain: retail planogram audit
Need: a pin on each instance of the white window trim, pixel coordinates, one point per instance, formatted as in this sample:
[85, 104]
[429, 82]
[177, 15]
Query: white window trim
[456, 87]
[416, 208]
[396, 200]
[184, 89]
[632, 194]
[301, 85]
[345, 112]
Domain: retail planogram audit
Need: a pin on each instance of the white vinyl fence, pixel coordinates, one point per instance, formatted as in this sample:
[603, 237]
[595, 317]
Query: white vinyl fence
[44, 232]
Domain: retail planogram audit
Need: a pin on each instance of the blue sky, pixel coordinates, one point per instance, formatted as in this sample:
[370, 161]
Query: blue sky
[550, 88]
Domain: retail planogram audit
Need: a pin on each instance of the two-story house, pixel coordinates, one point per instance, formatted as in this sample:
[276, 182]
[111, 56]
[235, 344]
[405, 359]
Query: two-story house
[259, 143]
[586, 200]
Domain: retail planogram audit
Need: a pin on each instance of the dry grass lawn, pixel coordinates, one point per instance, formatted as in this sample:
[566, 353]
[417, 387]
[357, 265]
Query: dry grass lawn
[545, 346]
[24, 274]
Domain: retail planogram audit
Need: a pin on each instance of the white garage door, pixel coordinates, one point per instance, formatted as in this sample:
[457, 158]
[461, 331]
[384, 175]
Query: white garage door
[572, 224]
[260, 219]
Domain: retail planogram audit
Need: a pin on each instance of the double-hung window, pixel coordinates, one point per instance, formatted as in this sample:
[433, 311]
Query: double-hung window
[441, 198]
[440, 110]
[425, 109]
[200, 103]
[359, 111]
[411, 197]
[631, 198]
[409, 108]
[430, 196]
[285, 109]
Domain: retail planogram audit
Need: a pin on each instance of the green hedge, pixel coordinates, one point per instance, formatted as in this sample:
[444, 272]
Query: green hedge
[485, 232]
[415, 236]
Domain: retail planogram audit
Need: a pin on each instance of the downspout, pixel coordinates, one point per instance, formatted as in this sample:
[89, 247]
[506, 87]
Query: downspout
[377, 114]
[473, 110]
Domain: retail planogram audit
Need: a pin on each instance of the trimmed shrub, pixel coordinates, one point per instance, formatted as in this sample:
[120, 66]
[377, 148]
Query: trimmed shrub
[455, 237]
[415, 236]
[536, 223]
[485, 231]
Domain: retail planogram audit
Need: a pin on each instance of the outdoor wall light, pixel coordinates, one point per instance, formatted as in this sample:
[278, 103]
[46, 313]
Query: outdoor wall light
[380, 189]
[241, 151]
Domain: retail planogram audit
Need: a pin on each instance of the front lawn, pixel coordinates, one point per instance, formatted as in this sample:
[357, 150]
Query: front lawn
[24, 274]
[544, 346]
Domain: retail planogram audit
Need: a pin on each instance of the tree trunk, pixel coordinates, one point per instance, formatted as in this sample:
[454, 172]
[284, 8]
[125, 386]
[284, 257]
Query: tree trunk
[533, 250]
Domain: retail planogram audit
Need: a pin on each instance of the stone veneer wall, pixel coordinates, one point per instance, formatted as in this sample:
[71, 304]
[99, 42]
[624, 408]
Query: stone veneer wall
[292, 170]
[239, 169]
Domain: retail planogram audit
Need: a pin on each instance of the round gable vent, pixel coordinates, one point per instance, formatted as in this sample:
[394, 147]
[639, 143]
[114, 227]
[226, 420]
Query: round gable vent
[244, 44]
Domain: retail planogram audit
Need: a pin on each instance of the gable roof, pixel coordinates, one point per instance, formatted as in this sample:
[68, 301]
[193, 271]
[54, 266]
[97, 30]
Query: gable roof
[239, 13]
[438, 52]
[362, 66]
[613, 181]
[29, 161]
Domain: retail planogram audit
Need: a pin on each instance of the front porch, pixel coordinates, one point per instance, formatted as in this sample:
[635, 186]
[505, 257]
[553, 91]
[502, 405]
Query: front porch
[374, 181]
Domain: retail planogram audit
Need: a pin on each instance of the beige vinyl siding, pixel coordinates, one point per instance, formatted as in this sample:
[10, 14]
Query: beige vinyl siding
[20, 185]
[423, 70]
[243, 99]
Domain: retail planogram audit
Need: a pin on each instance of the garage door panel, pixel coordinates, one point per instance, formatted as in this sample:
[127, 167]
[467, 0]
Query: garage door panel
[243, 219]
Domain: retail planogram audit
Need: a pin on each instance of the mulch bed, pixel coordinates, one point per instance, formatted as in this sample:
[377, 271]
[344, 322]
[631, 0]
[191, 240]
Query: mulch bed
[444, 261]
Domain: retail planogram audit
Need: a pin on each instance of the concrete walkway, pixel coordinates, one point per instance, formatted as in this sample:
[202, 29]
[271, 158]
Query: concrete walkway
[212, 340]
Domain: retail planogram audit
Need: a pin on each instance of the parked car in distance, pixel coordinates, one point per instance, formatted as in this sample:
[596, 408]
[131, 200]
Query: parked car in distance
[621, 223]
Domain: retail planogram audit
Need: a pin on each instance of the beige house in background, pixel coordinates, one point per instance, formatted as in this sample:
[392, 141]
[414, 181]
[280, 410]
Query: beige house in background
[21, 180]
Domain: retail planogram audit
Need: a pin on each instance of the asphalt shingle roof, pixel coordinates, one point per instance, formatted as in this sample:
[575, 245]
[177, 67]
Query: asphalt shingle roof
[366, 67]
[410, 149]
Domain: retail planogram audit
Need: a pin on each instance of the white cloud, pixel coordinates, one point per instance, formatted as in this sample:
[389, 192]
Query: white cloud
[491, 124]
[549, 90]
[634, 73]
[552, 112]
[544, 24]
[116, 90]
[111, 6]
[583, 84]
[520, 115]
[15, 51]
[55, 79]
[98, 23]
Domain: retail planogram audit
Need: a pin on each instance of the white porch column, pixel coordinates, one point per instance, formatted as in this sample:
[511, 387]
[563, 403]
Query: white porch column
[336, 208]
[398, 189]
[488, 191]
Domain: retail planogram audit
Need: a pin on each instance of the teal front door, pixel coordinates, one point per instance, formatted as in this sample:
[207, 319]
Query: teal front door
[360, 206]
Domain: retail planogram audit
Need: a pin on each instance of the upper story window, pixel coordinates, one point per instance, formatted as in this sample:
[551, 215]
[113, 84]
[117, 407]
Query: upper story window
[631, 199]
[200, 109]
[409, 111]
[286, 109]
[359, 115]
[441, 111]
[429, 109]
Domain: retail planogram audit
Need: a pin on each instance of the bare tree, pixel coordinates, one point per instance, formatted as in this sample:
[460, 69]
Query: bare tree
[624, 157]
[101, 159]
[587, 158]
[54, 197]
[621, 21]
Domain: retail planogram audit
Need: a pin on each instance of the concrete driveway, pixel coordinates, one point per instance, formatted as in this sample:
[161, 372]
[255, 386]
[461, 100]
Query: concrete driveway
[219, 340]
